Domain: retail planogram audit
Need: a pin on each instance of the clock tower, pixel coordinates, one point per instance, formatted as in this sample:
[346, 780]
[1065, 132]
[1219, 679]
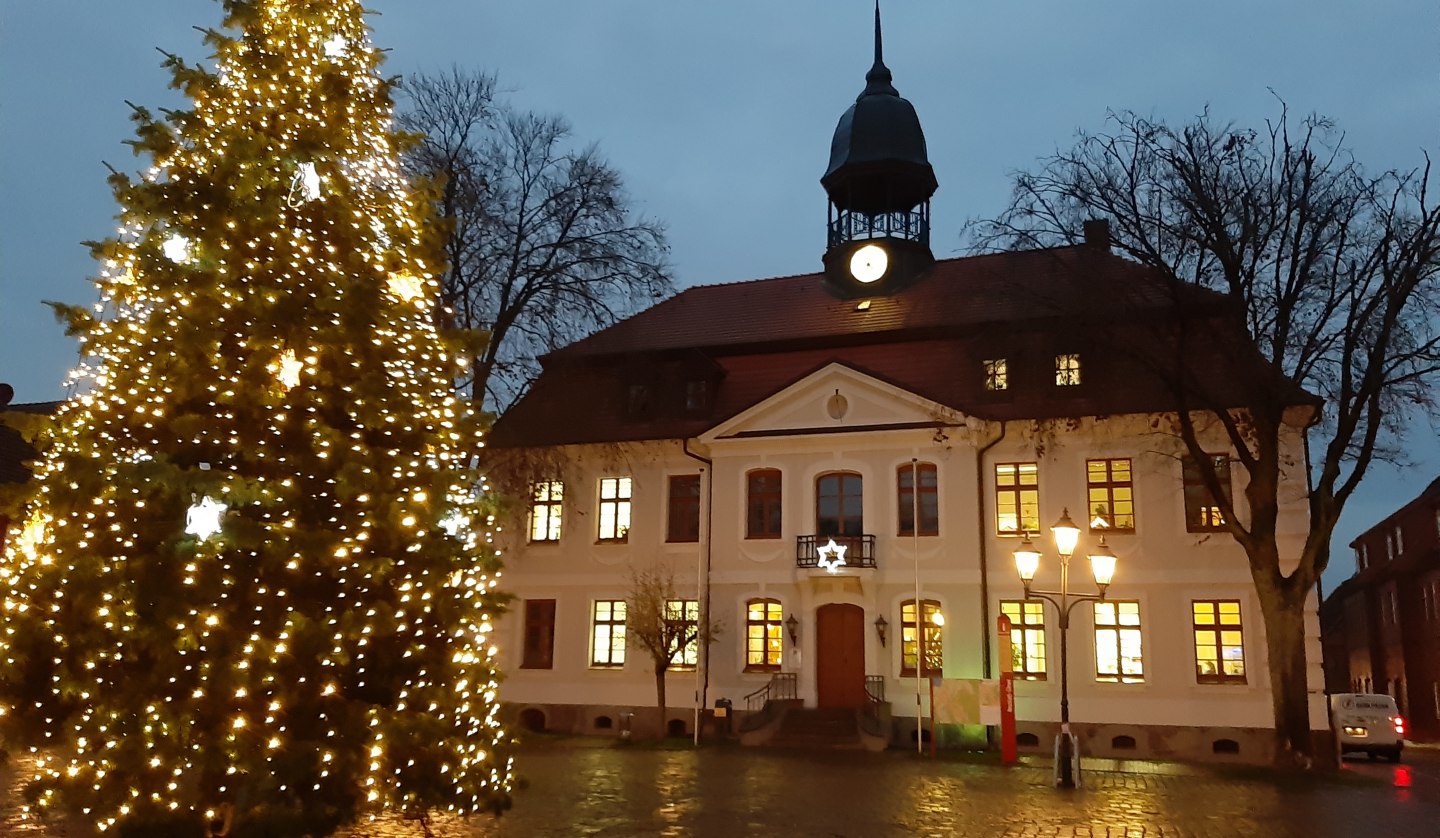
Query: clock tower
[879, 182]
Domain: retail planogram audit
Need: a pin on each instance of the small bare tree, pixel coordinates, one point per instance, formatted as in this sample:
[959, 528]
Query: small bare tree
[1332, 274]
[669, 628]
[544, 247]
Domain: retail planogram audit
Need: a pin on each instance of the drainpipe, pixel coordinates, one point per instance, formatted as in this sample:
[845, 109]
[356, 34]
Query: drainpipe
[702, 583]
[983, 531]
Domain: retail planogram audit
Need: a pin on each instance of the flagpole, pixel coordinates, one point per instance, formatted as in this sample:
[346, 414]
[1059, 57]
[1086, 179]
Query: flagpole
[919, 607]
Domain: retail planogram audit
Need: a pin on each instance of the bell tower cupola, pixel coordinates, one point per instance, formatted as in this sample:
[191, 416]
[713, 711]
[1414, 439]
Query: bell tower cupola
[879, 182]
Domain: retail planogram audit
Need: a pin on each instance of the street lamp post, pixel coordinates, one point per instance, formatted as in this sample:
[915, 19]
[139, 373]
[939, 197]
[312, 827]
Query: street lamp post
[1102, 566]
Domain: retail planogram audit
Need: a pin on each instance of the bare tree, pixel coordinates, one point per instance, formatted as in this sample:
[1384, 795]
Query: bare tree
[544, 246]
[1334, 274]
[669, 628]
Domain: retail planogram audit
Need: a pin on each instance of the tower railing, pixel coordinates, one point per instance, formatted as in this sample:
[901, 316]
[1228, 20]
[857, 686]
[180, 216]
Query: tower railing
[848, 226]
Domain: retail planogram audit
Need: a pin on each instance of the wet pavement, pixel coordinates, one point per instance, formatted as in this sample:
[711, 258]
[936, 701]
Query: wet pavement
[579, 789]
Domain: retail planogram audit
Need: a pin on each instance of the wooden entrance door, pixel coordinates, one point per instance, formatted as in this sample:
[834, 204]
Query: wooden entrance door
[840, 655]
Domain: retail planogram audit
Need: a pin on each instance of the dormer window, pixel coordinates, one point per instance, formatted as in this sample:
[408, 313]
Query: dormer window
[997, 375]
[637, 401]
[1361, 561]
[697, 396]
[1067, 370]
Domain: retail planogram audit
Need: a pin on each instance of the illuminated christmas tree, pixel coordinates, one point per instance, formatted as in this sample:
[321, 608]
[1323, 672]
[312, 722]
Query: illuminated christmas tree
[254, 589]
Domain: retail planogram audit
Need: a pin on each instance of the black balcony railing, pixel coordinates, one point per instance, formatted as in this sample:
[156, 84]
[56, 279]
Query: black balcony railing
[859, 550]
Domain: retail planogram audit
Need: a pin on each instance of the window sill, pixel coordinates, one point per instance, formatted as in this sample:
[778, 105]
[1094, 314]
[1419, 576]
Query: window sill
[612, 541]
[775, 537]
[682, 541]
[606, 667]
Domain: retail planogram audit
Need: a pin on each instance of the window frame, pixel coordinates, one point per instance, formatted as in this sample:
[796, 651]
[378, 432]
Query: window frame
[1119, 628]
[1067, 369]
[622, 510]
[691, 649]
[771, 625]
[842, 518]
[1017, 491]
[538, 635]
[682, 509]
[1218, 628]
[1024, 623]
[997, 375]
[934, 639]
[615, 652]
[771, 504]
[1197, 511]
[551, 507]
[1109, 487]
[929, 499]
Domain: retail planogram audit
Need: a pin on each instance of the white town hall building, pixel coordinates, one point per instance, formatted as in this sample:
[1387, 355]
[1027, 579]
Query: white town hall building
[923, 416]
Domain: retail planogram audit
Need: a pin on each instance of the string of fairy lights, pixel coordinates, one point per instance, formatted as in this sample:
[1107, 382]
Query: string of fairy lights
[261, 506]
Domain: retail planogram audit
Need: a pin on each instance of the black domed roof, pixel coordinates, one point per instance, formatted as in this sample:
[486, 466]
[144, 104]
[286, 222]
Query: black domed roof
[878, 160]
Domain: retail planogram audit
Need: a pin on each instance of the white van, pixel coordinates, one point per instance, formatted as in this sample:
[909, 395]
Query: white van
[1368, 723]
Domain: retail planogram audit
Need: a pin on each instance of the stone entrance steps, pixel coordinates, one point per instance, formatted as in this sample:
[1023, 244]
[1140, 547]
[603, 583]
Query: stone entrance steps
[818, 729]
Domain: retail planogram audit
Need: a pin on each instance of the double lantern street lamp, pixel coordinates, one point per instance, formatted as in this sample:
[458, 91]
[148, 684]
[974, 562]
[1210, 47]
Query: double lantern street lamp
[1102, 566]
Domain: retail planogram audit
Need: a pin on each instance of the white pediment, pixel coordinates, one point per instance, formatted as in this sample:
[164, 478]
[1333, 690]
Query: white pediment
[835, 398]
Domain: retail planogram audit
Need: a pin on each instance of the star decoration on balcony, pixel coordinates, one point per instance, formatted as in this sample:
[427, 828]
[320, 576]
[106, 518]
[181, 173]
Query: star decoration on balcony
[832, 556]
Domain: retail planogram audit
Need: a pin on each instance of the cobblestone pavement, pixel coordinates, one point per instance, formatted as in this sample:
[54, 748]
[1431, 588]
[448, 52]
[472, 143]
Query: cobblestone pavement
[604, 791]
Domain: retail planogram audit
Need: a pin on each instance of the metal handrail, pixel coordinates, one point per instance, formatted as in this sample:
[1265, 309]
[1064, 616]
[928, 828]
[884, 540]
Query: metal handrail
[782, 685]
[859, 549]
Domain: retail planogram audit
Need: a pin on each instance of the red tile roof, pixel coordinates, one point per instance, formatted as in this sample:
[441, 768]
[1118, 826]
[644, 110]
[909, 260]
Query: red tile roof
[930, 338]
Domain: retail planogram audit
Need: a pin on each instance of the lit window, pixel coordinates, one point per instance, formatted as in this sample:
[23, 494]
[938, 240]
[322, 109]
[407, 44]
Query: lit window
[1202, 513]
[928, 501]
[683, 521]
[1112, 495]
[1027, 637]
[682, 626]
[607, 646]
[1219, 642]
[1117, 642]
[614, 508]
[762, 512]
[763, 635]
[997, 375]
[546, 499]
[1067, 370]
[934, 644]
[1017, 498]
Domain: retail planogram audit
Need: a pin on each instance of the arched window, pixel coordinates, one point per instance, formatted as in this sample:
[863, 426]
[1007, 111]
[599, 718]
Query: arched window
[764, 632]
[934, 648]
[928, 502]
[839, 501]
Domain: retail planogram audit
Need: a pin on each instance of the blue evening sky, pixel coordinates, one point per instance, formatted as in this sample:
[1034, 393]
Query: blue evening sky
[720, 114]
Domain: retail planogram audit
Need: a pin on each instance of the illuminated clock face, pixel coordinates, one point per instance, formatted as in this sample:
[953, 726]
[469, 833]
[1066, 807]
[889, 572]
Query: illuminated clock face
[869, 263]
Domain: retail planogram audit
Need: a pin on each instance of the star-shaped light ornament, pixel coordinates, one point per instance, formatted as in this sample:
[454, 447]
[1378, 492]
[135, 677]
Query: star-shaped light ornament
[203, 519]
[406, 286]
[177, 249]
[305, 186]
[454, 522]
[287, 369]
[832, 556]
[337, 46]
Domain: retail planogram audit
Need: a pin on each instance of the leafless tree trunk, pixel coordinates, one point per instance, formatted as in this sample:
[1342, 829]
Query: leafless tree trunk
[544, 247]
[663, 623]
[1334, 274]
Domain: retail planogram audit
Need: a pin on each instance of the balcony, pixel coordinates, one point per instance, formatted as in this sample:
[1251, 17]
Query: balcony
[856, 551]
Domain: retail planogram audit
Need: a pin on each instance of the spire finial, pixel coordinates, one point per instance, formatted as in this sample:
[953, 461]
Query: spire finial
[879, 51]
[879, 80]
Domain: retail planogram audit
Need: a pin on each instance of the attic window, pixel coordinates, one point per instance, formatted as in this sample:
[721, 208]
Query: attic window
[863, 305]
[1067, 370]
[997, 375]
[697, 396]
[637, 401]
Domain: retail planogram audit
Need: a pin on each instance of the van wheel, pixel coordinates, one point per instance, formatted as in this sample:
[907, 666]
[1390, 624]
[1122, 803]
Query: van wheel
[1393, 754]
